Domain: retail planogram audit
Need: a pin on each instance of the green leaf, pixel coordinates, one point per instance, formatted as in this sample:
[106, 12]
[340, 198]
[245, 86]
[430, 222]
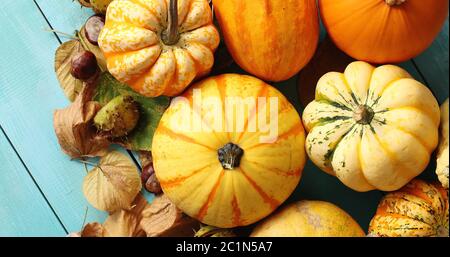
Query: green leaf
[152, 109]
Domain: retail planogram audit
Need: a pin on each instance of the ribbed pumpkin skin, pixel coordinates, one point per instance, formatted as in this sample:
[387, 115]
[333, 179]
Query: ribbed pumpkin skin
[187, 165]
[309, 219]
[375, 32]
[136, 55]
[393, 147]
[270, 39]
[418, 209]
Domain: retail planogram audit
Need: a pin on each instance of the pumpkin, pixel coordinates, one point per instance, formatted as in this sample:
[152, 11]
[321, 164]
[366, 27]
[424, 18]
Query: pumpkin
[309, 219]
[443, 154]
[372, 128]
[270, 39]
[158, 47]
[228, 171]
[383, 31]
[418, 209]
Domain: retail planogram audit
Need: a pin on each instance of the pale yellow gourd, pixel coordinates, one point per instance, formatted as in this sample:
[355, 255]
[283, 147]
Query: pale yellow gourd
[372, 128]
[442, 160]
[309, 219]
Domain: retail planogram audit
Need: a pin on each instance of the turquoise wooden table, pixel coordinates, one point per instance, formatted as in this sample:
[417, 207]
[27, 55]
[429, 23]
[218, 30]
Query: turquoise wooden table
[40, 187]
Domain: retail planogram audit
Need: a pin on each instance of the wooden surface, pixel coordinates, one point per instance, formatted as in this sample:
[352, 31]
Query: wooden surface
[40, 187]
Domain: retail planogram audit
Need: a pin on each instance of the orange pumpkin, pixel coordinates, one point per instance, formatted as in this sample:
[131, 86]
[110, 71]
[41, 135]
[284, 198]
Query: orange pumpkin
[270, 39]
[418, 209]
[383, 31]
[158, 47]
[222, 173]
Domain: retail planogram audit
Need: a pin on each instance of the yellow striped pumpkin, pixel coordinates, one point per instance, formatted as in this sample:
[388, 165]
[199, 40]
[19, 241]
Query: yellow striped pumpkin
[139, 51]
[259, 177]
[418, 209]
[373, 128]
[271, 39]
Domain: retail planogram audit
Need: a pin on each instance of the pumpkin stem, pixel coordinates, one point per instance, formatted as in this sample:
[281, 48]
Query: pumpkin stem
[363, 114]
[171, 35]
[394, 2]
[230, 156]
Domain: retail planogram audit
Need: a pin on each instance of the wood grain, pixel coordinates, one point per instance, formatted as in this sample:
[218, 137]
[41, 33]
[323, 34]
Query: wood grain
[29, 94]
[24, 211]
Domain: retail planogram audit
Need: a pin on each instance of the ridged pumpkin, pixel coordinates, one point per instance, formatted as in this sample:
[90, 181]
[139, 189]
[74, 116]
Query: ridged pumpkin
[373, 128]
[418, 209]
[228, 179]
[442, 154]
[309, 219]
[270, 39]
[146, 49]
[383, 31]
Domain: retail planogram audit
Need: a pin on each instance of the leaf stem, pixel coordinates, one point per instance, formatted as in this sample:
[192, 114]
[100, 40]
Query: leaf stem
[84, 218]
[62, 33]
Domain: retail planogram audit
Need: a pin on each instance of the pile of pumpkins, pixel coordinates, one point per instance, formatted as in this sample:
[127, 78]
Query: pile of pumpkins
[373, 128]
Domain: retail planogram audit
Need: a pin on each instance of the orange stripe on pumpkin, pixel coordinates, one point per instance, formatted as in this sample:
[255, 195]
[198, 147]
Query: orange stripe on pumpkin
[263, 91]
[268, 199]
[236, 211]
[296, 129]
[165, 131]
[177, 181]
[202, 213]
[222, 88]
[294, 173]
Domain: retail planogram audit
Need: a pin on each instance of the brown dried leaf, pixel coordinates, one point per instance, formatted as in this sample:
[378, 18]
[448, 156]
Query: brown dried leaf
[63, 58]
[113, 184]
[73, 126]
[94, 229]
[163, 218]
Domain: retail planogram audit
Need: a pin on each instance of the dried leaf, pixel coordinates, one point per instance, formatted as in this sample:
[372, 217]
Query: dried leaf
[113, 184]
[126, 223]
[73, 126]
[163, 218]
[88, 46]
[145, 158]
[152, 110]
[94, 229]
[63, 57]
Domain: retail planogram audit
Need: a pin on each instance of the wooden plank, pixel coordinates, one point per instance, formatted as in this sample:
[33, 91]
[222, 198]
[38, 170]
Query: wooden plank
[29, 94]
[24, 211]
[433, 65]
[65, 16]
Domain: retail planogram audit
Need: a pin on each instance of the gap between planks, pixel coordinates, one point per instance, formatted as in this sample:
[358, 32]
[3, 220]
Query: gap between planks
[136, 162]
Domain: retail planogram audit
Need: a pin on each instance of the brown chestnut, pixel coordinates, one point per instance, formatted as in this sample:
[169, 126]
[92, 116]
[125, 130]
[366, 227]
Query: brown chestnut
[93, 27]
[84, 65]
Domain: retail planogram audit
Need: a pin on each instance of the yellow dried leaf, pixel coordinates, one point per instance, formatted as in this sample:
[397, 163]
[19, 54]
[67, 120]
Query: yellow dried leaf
[73, 127]
[113, 184]
[126, 223]
[63, 58]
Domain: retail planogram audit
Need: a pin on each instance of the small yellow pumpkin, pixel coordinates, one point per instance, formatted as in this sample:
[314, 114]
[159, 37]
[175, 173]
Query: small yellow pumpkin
[158, 47]
[226, 171]
[309, 219]
[442, 160]
[373, 128]
[418, 209]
